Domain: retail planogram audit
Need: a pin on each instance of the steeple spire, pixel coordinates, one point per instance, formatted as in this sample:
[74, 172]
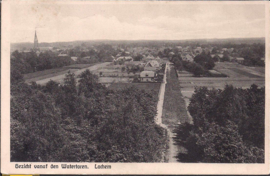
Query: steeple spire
[36, 41]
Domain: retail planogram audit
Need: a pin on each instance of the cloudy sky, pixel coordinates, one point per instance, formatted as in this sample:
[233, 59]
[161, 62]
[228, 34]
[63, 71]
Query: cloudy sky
[122, 21]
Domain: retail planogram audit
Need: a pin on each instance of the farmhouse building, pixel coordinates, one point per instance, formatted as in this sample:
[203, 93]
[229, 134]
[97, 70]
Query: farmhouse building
[147, 76]
[124, 58]
[240, 60]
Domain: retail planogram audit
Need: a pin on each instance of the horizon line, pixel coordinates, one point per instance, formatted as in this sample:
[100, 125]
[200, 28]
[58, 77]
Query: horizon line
[114, 40]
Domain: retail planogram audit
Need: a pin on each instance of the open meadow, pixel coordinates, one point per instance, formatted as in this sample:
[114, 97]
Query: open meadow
[39, 75]
[58, 75]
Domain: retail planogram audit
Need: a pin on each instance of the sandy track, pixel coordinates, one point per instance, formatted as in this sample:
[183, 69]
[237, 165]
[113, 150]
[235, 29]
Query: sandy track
[173, 150]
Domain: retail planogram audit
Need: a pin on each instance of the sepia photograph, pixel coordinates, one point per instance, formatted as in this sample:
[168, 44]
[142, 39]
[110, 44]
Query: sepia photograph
[179, 83]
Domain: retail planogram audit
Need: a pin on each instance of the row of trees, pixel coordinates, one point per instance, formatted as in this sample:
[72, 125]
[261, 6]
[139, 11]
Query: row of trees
[30, 62]
[253, 54]
[82, 122]
[202, 63]
[228, 126]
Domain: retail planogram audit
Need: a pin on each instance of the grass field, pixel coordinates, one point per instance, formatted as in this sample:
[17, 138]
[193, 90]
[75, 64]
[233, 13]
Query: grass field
[46, 74]
[58, 75]
[174, 108]
[53, 72]
[78, 66]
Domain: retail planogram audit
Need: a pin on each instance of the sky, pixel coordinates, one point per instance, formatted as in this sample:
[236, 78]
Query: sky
[135, 21]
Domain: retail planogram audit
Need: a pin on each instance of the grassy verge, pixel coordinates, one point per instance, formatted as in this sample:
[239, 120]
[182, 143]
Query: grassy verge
[174, 110]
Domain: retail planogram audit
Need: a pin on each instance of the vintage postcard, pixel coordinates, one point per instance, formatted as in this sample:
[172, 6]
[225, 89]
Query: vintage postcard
[135, 87]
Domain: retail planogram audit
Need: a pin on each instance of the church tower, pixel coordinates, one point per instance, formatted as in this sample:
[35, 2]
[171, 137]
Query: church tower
[36, 42]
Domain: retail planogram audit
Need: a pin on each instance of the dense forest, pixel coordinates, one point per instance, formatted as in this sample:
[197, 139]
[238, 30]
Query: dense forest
[228, 126]
[83, 122]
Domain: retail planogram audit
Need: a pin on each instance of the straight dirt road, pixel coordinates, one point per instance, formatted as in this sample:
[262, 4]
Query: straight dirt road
[172, 148]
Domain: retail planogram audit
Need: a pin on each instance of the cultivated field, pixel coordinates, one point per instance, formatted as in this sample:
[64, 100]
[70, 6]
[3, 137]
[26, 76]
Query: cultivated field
[238, 75]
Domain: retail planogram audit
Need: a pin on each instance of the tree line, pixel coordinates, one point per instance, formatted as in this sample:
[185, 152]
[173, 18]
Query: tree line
[28, 62]
[202, 63]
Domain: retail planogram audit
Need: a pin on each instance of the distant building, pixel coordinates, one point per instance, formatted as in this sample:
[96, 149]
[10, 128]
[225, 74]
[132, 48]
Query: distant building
[220, 55]
[122, 59]
[171, 54]
[147, 76]
[224, 49]
[179, 48]
[150, 57]
[128, 58]
[198, 50]
[152, 63]
[240, 60]
[63, 55]
[38, 53]
[74, 58]
[86, 57]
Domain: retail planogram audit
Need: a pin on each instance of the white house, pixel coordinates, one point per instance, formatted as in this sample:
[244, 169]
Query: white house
[240, 60]
[147, 76]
